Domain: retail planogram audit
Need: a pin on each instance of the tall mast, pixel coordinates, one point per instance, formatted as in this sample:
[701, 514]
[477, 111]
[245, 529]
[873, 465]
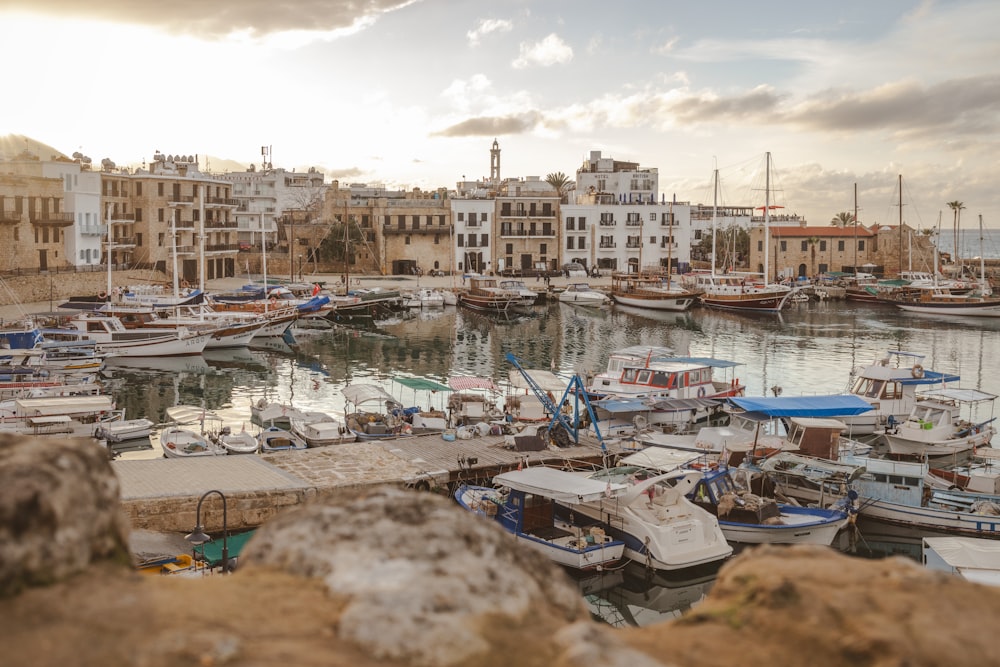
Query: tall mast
[901, 227]
[108, 214]
[263, 258]
[173, 248]
[767, 217]
[715, 205]
[855, 231]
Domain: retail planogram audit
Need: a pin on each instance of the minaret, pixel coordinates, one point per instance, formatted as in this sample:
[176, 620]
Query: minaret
[495, 164]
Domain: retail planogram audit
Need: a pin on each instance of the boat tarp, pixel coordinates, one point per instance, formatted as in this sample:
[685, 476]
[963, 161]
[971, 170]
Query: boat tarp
[547, 380]
[42, 406]
[701, 361]
[466, 382]
[836, 405]
[363, 393]
[421, 384]
[959, 395]
[663, 459]
[559, 485]
[964, 553]
[620, 405]
[807, 466]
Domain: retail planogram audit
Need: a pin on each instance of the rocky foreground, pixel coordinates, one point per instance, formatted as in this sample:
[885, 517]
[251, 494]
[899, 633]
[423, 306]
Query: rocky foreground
[398, 577]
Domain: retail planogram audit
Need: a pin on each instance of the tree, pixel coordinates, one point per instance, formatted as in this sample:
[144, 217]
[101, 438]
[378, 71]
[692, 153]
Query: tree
[956, 207]
[559, 182]
[843, 219]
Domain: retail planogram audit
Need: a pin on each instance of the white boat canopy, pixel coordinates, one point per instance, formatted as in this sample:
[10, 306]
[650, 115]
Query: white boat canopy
[363, 393]
[547, 380]
[559, 485]
[960, 395]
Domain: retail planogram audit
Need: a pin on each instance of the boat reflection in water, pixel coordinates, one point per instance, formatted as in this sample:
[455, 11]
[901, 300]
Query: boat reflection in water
[634, 596]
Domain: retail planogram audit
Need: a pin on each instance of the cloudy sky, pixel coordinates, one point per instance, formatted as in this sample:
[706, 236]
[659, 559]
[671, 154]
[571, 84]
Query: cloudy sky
[412, 92]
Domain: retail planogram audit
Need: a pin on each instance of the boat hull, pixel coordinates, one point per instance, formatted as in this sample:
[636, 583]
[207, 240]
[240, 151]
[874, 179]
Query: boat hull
[674, 303]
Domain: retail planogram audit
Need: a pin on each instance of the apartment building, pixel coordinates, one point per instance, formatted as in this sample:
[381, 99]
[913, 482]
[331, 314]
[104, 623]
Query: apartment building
[170, 212]
[527, 227]
[49, 213]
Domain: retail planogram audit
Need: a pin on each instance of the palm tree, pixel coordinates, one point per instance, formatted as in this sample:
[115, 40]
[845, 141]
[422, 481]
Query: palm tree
[843, 219]
[812, 255]
[559, 182]
[956, 207]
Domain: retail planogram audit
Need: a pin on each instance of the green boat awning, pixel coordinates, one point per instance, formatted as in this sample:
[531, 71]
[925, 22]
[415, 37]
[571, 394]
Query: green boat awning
[422, 384]
[212, 551]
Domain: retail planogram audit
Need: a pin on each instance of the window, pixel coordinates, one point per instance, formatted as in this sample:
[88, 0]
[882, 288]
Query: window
[784, 246]
[407, 239]
[461, 240]
[652, 217]
[822, 246]
[840, 246]
[570, 223]
[461, 216]
[509, 249]
[483, 217]
[581, 223]
[472, 219]
[159, 239]
[861, 245]
[159, 215]
[543, 248]
[760, 246]
[484, 240]
[805, 245]
[159, 189]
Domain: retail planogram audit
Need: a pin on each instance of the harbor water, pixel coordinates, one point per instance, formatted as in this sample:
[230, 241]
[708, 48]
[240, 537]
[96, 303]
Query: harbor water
[811, 348]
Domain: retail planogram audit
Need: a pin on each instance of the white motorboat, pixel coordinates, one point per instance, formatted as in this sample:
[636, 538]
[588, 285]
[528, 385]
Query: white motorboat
[890, 385]
[124, 429]
[661, 528]
[271, 413]
[526, 506]
[109, 335]
[178, 442]
[425, 297]
[582, 294]
[274, 439]
[528, 296]
[373, 414]
[937, 426]
[242, 442]
[319, 429]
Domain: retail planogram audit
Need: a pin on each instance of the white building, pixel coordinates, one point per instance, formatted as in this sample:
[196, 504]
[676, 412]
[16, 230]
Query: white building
[608, 181]
[265, 195]
[81, 199]
[473, 218]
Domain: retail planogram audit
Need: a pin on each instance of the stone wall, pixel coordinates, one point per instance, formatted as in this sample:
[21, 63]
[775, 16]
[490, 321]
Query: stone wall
[57, 287]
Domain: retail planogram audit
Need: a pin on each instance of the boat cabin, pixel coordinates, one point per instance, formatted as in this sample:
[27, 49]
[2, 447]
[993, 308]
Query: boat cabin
[654, 372]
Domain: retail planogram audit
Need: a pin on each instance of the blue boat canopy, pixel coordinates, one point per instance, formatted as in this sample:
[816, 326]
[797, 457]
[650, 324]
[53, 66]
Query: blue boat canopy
[836, 405]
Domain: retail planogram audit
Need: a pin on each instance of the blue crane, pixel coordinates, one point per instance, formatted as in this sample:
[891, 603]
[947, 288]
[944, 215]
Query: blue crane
[570, 425]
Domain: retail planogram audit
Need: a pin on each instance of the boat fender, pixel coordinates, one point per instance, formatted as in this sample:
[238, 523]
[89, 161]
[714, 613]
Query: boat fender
[422, 485]
[274, 301]
[917, 371]
[102, 295]
[701, 392]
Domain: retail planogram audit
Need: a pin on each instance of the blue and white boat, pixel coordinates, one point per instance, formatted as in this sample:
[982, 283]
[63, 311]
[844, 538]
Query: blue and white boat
[746, 518]
[532, 505]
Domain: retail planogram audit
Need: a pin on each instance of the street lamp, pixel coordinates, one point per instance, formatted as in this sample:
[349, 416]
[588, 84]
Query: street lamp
[198, 535]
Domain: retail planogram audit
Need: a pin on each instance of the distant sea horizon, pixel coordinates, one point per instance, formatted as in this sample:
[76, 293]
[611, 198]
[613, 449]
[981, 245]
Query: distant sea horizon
[968, 243]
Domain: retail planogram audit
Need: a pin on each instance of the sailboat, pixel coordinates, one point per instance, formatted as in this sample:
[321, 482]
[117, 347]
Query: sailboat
[744, 291]
[941, 300]
[652, 290]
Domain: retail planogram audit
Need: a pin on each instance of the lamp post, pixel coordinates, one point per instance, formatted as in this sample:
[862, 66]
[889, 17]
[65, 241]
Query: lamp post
[198, 536]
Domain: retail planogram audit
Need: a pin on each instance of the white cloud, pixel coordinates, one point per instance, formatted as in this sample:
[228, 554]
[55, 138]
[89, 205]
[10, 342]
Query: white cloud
[487, 26]
[550, 51]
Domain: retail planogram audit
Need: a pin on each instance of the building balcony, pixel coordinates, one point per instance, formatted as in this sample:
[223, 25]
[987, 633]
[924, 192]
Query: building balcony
[52, 219]
[509, 231]
[180, 200]
[220, 224]
[633, 223]
[221, 202]
[221, 248]
[607, 223]
[123, 242]
[93, 230]
[633, 245]
[9, 217]
[187, 250]
[607, 245]
[122, 217]
[389, 230]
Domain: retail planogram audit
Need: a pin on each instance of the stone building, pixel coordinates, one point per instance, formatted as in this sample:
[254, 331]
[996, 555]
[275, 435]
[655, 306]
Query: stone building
[902, 248]
[800, 250]
[49, 213]
[171, 208]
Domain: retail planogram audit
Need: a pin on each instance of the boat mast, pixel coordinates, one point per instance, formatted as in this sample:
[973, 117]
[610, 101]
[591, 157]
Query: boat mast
[767, 216]
[715, 205]
[901, 227]
[855, 232]
[263, 258]
[108, 214]
[984, 285]
[173, 249]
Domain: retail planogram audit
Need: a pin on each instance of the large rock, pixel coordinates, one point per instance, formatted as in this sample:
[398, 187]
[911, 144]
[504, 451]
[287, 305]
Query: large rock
[430, 584]
[59, 510]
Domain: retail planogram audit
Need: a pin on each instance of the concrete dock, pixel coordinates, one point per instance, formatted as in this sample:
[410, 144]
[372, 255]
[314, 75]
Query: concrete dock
[163, 494]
